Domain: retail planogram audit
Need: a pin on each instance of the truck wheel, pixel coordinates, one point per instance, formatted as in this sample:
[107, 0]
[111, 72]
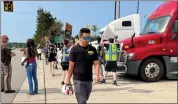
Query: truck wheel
[151, 70]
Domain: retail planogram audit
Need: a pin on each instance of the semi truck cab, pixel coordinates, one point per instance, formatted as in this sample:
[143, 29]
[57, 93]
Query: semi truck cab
[154, 53]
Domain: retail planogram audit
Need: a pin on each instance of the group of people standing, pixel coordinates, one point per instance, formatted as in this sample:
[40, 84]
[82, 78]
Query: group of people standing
[30, 54]
[51, 56]
[77, 61]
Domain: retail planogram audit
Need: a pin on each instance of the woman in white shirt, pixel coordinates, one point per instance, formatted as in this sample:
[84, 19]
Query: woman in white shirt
[39, 52]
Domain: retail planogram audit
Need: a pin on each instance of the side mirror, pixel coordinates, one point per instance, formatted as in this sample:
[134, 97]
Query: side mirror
[133, 35]
[175, 29]
[132, 43]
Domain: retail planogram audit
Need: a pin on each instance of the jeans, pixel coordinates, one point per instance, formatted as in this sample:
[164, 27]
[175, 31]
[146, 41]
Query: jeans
[82, 91]
[32, 76]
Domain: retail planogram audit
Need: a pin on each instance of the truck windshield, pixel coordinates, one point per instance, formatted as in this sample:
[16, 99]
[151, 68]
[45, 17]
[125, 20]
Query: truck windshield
[157, 25]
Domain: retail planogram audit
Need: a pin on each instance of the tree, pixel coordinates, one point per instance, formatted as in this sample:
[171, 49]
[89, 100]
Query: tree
[94, 29]
[56, 29]
[47, 25]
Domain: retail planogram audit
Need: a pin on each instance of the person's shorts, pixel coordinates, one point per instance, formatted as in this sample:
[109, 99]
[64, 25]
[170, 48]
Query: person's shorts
[52, 57]
[65, 65]
[111, 66]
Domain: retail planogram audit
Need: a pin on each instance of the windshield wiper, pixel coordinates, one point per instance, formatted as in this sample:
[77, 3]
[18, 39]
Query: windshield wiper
[150, 32]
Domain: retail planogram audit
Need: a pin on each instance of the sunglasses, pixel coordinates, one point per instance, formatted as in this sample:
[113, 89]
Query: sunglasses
[87, 38]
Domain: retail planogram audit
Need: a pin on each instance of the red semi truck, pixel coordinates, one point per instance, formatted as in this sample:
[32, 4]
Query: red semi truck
[154, 53]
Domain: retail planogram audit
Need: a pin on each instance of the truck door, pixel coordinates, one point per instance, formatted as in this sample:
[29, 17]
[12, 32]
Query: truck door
[172, 51]
[172, 42]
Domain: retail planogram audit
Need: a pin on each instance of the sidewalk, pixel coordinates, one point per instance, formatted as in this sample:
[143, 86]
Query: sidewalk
[22, 96]
[129, 91]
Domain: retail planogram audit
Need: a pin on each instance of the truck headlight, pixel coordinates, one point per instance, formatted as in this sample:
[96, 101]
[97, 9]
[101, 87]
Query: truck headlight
[130, 56]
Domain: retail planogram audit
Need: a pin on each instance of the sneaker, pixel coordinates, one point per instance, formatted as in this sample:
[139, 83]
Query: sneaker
[9, 91]
[62, 83]
[35, 93]
[103, 81]
[114, 83]
[2, 90]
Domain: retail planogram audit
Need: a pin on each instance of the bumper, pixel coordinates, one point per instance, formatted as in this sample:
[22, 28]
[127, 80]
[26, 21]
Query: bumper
[122, 68]
[133, 67]
[130, 67]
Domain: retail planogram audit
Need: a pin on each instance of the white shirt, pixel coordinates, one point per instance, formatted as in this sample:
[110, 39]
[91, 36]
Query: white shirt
[39, 50]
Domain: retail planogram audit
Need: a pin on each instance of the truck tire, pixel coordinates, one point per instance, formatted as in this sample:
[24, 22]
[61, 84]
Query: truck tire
[151, 70]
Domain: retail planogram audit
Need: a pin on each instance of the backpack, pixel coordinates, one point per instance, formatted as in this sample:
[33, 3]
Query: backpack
[100, 51]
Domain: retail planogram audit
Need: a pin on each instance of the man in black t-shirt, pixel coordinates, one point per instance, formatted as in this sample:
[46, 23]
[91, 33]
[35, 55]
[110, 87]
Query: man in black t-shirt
[82, 58]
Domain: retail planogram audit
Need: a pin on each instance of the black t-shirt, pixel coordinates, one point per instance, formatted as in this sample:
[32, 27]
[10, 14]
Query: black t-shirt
[5, 56]
[83, 58]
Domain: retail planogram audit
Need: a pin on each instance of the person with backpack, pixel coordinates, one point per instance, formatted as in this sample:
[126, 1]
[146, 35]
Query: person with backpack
[111, 60]
[65, 59]
[100, 53]
[52, 57]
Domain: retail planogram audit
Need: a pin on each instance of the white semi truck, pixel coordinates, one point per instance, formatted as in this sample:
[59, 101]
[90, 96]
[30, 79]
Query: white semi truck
[123, 28]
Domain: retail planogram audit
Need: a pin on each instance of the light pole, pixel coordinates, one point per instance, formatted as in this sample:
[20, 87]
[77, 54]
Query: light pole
[119, 10]
[137, 7]
[115, 10]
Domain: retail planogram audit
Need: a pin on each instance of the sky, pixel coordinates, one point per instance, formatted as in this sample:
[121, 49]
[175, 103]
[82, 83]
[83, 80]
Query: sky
[21, 24]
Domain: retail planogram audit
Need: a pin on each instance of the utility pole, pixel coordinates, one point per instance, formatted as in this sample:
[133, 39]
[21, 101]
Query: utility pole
[137, 7]
[119, 10]
[115, 10]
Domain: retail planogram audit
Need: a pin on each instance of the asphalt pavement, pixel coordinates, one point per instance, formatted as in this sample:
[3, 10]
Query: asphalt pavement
[18, 77]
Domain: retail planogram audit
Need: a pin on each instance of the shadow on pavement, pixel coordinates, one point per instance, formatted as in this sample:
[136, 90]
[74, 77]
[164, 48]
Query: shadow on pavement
[129, 89]
[110, 89]
[126, 80]
[55, 75]
[53, 90]
[41, 91]
[26, 91]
